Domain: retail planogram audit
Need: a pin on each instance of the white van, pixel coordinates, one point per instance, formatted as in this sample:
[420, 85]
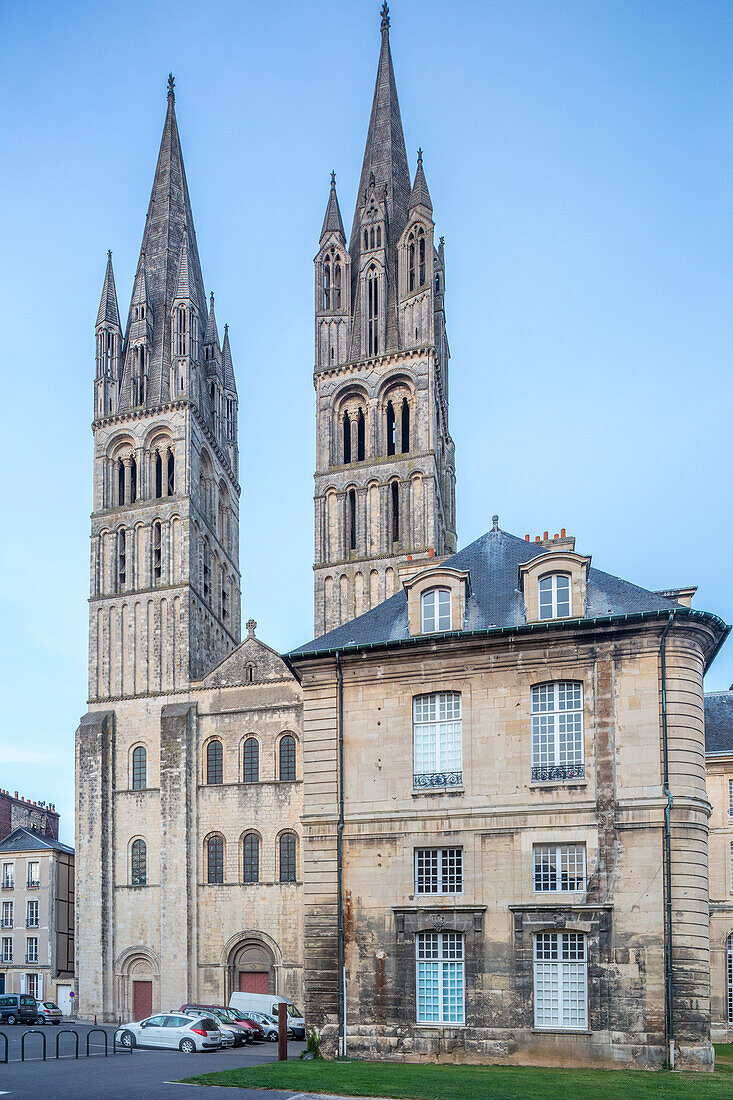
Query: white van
[267, 1003]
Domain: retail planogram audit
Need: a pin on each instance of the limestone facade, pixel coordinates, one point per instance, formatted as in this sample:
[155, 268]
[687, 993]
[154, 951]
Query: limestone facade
[719, 735]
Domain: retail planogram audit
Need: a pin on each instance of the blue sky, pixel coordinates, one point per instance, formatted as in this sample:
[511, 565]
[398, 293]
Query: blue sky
[579, 157]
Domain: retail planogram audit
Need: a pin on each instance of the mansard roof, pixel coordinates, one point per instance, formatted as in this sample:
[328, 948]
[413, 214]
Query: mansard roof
[719, 723]
[495, 601]
[26, 840]
[169, 220]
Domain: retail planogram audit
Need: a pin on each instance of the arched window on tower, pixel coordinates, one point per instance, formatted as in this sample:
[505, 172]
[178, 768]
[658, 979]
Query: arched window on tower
[207, 572]
[157, 551]
[138, 375]
[171, 473]
[133, 480]
[411, 263]
[121, 558]
[421, 258]
[395, 502]
[390, 428]
[372, 312]
[181, 331]
[287, 758]
[360, 437]
[337, 285]
[139, 769]
[120, 481]
[287, 857]
[327, 284]
[352, 519]
[405, 426]
[138, 863]
[379, 236]
[251, 854]
[251, 761]
[215, 859]
[214, 763]
[347, 437]
[158, 474]
[366, 240]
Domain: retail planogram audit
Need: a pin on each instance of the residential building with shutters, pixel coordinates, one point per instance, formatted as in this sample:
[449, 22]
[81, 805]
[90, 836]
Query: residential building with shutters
[36, 916]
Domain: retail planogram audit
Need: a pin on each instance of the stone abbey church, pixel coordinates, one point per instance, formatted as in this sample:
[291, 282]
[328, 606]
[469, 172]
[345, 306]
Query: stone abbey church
[471, 819]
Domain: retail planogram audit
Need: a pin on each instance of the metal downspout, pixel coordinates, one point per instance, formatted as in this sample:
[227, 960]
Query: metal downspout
[339, 858]
[669, 1010]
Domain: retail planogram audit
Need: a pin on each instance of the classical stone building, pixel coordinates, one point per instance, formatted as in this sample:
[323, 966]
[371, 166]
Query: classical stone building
[188, 761]
[719, 760]
[385, 466]
[505, 816]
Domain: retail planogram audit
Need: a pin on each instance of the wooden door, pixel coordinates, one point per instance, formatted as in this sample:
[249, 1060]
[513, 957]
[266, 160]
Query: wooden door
[254, 981]
[142, 1000]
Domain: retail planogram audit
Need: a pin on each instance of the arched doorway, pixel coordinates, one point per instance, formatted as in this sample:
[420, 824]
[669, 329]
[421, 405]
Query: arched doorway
[251, 966]
[138, 983]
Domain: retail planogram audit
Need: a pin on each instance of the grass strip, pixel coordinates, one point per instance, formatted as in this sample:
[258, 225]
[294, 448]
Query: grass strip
[428, 1081]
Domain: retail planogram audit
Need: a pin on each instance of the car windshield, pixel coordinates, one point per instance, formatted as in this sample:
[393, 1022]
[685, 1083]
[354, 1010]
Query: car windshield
[235, 1014]
[51, 1005]
[28, 1001]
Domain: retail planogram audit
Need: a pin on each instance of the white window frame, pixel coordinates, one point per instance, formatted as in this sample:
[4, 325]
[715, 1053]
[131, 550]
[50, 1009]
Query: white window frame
[435, 611]
[7, 921]
[8, 880]
[36, 981]
[558, 734]
[555, 607]
[437, 739]
[28, 941]
[441, 866]
[28, 921]
[440, 979]
[37, 880]
[558, 972]
[560, 858]
[6, 949]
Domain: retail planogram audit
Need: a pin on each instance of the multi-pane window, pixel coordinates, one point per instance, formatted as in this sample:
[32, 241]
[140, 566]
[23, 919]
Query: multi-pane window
[554, 595]
[251, 853]
[560, 981]
[287, 857]
[287, 758]
[435, 608]
[31, 949]
[7, 914]
[8, 876]
[440, 978]
[34, 873]
[251, 761]
[438, 870]
[32, 984]
[437, 740]
[729, 968]
[31, 914]
[557, 731]
[7, 949]
[214, 762]
[139, 862]
[139, 769]
[559, 867]
[215, 859]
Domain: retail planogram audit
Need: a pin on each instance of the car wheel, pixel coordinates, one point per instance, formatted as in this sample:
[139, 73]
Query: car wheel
[12, 1019]
[272, 1037]
[127, 1039]
[41, 1020]
[187, 1046]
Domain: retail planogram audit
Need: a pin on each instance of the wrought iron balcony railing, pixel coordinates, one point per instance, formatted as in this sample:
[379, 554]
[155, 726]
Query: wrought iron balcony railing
[422, 780]
[558, 772]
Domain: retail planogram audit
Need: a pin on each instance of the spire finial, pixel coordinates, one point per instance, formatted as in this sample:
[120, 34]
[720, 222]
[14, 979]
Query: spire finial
[171, 86]
[226, 329]
[251, 627]
[109, 253]
[333, 179]
[211, 299]
[385, 16]
[495, 523]
[419, 158]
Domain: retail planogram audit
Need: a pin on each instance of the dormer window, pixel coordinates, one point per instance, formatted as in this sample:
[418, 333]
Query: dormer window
[554, 596]
[435, 607]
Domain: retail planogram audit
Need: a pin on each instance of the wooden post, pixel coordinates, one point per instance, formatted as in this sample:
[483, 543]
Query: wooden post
[282, 1032]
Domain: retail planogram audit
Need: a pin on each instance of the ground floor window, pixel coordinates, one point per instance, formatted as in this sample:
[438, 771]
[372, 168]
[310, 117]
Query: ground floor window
[560, 981]
[729, 966]
[32, 985]
[440, 978]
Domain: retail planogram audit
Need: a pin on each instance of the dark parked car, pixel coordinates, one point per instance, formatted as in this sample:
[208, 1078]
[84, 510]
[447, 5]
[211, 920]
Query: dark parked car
[18, 1008]
[244, 1031]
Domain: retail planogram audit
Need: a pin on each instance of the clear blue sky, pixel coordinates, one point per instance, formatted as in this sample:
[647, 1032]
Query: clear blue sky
[579, 158]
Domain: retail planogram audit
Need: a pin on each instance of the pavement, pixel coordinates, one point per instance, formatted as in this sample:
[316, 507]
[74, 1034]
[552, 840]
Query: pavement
[144, 1074]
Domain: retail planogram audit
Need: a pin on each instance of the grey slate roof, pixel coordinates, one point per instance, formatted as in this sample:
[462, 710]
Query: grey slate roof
[495, 600]
[332, 219]
[719, 722]
[24, 840]
[420, 195]
[108, 311]
[169, 218]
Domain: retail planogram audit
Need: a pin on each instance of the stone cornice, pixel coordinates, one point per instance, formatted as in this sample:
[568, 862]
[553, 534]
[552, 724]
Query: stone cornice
[377, 360]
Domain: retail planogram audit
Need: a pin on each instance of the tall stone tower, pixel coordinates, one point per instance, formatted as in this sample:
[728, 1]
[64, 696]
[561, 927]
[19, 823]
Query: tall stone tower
[165, 583]
[385, 466]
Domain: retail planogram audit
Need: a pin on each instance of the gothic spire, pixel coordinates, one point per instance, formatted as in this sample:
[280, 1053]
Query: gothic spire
[332, 221]
[226, 354]
[169, 221]
[420, 195]
[212, 333]
[140, 286]
[185, 263]
[108, 311]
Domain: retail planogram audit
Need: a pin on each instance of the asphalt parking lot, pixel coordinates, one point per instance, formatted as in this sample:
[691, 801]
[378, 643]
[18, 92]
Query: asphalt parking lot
[143, 1074]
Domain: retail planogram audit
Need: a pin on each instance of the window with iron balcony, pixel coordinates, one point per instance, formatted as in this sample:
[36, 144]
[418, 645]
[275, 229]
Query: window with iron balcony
[557, 732]
[437, 741]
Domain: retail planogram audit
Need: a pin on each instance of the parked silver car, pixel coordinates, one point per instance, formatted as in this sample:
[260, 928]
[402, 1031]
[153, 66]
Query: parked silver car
[268, 1024]
[228, 1037]
[172, 1031]
[48, 1013]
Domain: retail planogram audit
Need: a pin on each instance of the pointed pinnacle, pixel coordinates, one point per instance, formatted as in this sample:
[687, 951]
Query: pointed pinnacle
[419, 157]
[385, 16]
[333, 179]
[171, 86]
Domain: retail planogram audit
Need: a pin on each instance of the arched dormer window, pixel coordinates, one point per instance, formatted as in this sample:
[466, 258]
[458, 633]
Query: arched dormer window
[411, 263]
[337, 285]
[138, 375]
[327, 284]
[435, 609]
[554, 596]
[214, 763]
[181, 331]
[139, 768]
[421, 257]
[372, 311]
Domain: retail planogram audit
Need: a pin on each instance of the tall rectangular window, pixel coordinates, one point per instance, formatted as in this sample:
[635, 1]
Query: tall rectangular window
[32, 985]
[440, 978]
[7, 949]
[31, 914]
[559, 867]
[34, 873]
[437, 740]
[31, 949]
[438, 870]
[557, 731]
[8, 876]
[554, 596]
[7, 914]
[560, 981]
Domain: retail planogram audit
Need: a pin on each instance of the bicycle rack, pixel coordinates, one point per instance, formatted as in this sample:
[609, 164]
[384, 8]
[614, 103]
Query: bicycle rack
[97, 1031]
[32, 1031]
[4, 1037]
[65, 1031]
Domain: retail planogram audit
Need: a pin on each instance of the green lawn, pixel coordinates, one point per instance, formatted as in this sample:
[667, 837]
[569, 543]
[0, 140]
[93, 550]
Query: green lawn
[448, 1082]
